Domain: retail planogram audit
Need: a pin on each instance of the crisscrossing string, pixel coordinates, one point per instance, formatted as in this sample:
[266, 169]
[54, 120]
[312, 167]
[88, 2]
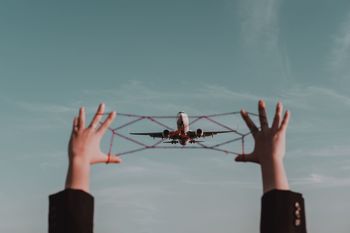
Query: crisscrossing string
[141, 146]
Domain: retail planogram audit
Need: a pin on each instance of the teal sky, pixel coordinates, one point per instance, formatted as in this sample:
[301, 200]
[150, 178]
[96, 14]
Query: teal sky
[161, 57]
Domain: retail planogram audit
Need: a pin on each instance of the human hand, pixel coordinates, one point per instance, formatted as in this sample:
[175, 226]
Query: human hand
[270, 142]
[84, 144]
[270, 146]
[84, 148]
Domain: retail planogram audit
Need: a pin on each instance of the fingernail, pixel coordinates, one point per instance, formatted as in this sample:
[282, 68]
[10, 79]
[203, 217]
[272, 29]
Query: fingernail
[262, 103]
[279, 104]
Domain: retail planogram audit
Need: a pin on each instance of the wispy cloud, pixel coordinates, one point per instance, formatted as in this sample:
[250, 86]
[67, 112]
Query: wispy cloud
[41, 116]
[148, 99]
[136, 94]
[312, 106]
[225, 183]
[259, 22]
[307, 97]
[321, 181]
[340, 53]
[125, 195]
[44, 107]
[214, 91]
[326, 151]
[203, 91]
[325, 157]
[144, 166]
[260, 37]
[317, 109]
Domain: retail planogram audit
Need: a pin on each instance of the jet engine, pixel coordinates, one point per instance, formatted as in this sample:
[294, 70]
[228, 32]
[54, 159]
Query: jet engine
[166, 133]
[199, 133]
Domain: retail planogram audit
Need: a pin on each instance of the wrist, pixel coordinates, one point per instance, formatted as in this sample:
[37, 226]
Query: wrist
[272, 162]
[274, 175]
[78, 175]
[78, 161]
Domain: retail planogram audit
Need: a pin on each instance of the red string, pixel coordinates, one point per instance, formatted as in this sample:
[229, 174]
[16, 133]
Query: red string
[156, 145]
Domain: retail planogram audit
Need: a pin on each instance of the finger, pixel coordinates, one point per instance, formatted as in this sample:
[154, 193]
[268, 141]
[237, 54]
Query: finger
[81, 119]
[262, 115]
[285, 121]
[251, 125]
[98, 116]
[246, 158]
[105, 125]
[75, 125]
[278, 116]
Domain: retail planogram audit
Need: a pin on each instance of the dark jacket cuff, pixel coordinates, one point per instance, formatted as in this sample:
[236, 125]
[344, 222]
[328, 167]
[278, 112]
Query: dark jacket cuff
[71, 211]
[282, 212]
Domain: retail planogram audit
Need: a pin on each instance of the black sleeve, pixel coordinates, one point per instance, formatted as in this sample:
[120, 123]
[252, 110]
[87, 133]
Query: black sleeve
[71, 211]
[282, 212]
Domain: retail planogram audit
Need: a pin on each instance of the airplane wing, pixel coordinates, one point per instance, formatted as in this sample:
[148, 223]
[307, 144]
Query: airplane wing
[212, 133]
[153, 135]
[198, 134]
[165, 134]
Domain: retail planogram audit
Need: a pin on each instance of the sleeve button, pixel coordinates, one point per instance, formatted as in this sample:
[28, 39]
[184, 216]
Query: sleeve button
[297, 222]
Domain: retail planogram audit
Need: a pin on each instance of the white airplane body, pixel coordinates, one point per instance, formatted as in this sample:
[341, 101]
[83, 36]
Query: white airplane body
[183, 134]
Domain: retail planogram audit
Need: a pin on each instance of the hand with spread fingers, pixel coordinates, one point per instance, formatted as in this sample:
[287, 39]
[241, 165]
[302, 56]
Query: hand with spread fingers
[270, 147]
[84, 148]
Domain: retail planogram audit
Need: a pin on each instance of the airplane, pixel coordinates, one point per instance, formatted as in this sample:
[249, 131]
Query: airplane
[183, 134]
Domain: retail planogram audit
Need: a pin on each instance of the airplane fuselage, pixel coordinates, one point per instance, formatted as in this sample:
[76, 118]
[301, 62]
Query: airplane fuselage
[183, 126]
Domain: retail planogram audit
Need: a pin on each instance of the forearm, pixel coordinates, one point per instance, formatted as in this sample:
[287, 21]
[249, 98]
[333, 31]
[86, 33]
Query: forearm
[274, 176]
[78, 175]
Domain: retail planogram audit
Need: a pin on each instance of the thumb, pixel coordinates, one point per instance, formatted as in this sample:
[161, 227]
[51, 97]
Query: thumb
[106, 158]
[113, 159]
[245, 158]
